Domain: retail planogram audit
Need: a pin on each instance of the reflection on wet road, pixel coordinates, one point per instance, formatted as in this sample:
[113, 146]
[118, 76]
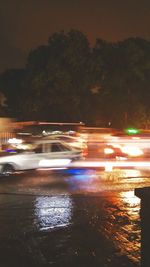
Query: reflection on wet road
[71, 218]
[53, 212]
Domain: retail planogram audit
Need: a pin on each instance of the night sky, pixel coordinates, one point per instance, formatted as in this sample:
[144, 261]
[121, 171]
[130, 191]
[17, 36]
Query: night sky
[26, 24]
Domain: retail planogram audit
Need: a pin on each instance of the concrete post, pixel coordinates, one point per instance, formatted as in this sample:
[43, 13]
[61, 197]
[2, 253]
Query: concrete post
[144, 195]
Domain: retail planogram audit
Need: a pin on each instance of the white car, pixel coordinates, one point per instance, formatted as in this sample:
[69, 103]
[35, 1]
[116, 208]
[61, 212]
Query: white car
[45, 153]
[73, 141]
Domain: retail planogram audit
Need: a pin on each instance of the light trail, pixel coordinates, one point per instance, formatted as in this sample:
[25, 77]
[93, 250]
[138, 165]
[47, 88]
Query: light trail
[105, 164]
[109, 165]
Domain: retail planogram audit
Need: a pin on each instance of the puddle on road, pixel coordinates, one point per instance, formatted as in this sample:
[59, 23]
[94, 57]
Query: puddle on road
[95, 223]
[70, 230]
[113, 217]
[123, 224]
[53, 212]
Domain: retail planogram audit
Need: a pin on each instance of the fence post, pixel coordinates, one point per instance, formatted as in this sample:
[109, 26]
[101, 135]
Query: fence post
[144, 195]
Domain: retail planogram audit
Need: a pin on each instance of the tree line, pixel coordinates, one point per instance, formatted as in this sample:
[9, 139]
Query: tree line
[107, 84]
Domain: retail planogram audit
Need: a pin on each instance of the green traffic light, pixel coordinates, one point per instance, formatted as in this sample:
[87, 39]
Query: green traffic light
[132, 131]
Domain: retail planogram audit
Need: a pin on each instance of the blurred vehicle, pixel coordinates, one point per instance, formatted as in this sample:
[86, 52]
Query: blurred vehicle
[134, 146]
[74, 142]
[111, 152]
[95, 139]
[44, 153]
[96, 134]
[45, 128]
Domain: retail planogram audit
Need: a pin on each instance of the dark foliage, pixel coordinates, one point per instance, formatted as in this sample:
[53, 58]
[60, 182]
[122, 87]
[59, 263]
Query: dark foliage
[67, 80]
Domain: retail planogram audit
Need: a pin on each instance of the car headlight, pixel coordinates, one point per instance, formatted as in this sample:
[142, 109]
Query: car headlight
[133, 151]
[108, 151]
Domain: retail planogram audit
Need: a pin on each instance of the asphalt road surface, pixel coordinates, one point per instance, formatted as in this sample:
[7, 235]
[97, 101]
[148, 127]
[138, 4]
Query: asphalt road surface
[71, 218]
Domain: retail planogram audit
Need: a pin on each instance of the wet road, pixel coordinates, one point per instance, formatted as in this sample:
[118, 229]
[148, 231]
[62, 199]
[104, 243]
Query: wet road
[71, 218]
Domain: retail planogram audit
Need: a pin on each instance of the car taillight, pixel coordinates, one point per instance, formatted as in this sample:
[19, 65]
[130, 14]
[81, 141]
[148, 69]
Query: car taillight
[85, 152]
